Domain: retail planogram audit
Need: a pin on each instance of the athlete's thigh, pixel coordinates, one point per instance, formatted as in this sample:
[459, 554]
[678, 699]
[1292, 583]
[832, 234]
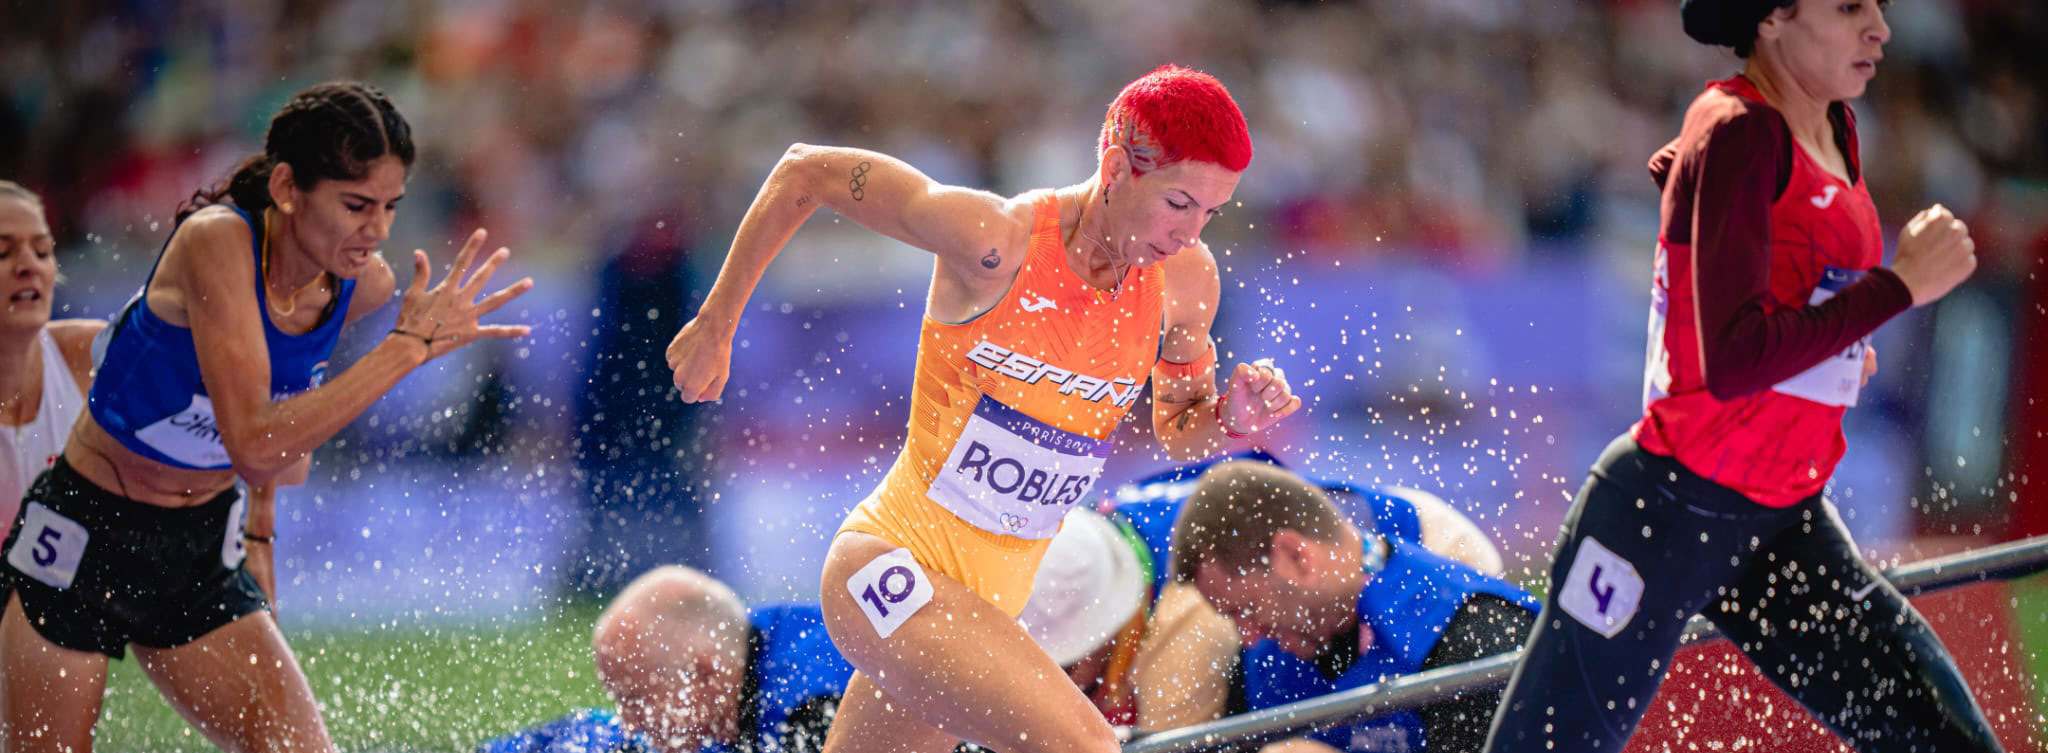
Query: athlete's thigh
[872, 721]
[241, 687]
[1632, 566]
[1807, 583]
[951, 657]
[1829, 630]
[50, 694]
[1809, 601]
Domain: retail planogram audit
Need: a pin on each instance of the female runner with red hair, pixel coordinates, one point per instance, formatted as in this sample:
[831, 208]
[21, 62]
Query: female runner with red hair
[1048, 311]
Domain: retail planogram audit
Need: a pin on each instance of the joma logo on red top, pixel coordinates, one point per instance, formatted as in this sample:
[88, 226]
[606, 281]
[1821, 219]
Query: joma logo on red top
[1120, 392]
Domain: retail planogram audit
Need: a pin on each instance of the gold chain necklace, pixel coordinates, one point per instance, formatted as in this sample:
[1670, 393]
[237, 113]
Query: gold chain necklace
[264, 272]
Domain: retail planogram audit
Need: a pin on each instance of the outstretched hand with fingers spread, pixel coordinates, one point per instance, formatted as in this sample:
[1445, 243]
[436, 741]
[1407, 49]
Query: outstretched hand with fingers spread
[1256, 397]
[445, 315]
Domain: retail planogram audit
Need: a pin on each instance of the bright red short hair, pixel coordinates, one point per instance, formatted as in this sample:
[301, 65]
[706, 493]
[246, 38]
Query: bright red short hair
[1174, 114]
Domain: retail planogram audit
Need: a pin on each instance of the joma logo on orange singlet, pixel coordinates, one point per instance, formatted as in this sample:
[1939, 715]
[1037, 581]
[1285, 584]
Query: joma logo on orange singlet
[1120, 392]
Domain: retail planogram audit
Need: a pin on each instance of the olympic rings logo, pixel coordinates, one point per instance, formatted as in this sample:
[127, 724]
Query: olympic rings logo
[858, 184]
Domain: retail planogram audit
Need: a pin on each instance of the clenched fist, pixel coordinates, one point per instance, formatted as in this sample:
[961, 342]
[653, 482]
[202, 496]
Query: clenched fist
[1935, 254]
[1256, 396]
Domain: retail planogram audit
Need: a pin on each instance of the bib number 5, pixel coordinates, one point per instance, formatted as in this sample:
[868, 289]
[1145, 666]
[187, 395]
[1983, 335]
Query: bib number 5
[49, 548]
[889, 589]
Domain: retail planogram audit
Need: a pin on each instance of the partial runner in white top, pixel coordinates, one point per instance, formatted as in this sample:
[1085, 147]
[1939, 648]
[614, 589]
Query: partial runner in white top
[26, 449]
[44, 364]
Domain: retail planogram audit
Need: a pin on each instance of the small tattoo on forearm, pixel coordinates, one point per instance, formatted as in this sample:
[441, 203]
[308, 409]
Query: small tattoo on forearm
[858, 184]
[991, 261]
[1180, 423]
[802, 200]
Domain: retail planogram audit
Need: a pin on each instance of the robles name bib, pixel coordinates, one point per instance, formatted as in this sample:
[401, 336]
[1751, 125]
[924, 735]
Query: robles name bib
[1014, 475]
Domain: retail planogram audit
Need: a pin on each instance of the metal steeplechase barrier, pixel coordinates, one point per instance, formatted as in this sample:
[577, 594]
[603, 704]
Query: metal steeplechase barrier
[2006, 561]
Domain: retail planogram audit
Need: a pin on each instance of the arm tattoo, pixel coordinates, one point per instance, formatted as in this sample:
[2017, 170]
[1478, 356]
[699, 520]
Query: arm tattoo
[991, 261]
[802, 200]
[858, 184]
[1182, 419]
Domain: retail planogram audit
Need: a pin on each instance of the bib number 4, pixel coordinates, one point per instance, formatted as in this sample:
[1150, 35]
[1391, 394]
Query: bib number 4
[1602, 590]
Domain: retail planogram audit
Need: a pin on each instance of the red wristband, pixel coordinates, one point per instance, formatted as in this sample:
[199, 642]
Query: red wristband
[1191, 369]
[1227, 431]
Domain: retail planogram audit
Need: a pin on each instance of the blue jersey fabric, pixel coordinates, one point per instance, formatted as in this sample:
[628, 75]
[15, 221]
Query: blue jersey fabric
[148, 393]
[586, 731]
[1405, 605]
[792, 663]
[1150, 504]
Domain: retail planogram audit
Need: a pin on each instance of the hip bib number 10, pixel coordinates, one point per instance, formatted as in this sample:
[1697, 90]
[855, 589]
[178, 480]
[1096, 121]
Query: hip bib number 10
[889, 589]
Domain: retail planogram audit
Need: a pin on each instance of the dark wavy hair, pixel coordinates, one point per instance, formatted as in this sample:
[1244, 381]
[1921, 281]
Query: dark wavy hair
[331, 131]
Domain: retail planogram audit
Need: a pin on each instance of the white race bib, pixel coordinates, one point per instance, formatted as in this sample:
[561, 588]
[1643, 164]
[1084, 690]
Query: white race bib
[49, 548]
[1657, 360]
[1014, 475]
[190, 436]
[889, 589]
[1837, 380]
[232, 550]
[1602, 590]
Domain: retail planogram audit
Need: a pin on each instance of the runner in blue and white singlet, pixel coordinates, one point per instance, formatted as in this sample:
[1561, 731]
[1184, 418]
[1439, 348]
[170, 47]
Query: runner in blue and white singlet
[217, 370]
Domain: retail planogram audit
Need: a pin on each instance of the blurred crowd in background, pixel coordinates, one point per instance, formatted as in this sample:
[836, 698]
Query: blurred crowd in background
[1445, 235]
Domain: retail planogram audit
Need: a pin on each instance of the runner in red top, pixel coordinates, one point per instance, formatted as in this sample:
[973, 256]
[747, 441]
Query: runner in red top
[1791, 291]
[1767, 284]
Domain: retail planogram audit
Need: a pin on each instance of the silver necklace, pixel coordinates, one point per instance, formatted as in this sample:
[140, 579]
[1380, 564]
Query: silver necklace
[1117, 286]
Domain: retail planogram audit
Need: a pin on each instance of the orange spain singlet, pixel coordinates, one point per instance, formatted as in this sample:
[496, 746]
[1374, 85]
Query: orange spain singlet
[1010, 418]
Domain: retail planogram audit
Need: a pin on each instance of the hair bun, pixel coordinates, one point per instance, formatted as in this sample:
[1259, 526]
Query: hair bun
[1728, 23]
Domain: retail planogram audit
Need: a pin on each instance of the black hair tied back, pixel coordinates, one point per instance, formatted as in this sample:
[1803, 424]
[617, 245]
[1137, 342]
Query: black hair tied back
[1727, 23]
[331, 131]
